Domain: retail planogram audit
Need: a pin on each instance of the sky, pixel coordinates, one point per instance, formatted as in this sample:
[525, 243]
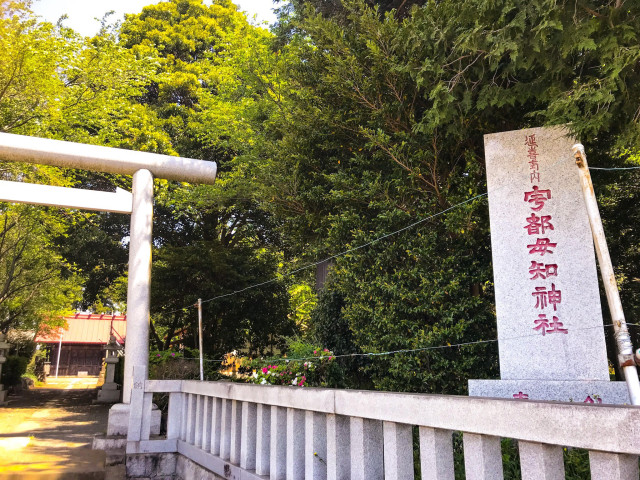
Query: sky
[82, 12]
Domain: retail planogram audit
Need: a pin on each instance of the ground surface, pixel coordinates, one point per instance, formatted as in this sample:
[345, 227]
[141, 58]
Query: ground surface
[46, 432]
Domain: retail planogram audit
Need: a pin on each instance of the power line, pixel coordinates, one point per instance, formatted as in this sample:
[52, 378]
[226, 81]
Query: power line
[614, 168]
[422, 349]
[378, 239]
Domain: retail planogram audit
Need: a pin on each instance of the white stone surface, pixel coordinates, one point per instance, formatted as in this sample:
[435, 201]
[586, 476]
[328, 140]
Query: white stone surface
[539, 461]
[139, 282]
[338, 447]
[315, 446]
[367, 451]
[436, 454]
[482, 457]
[398, 451]
[278, 441]
[580, 353]
[295, 444]
[611, 466]
[611, 393]
[119, 420]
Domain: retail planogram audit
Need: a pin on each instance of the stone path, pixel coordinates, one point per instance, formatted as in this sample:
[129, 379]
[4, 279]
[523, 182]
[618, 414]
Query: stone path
[46, 432]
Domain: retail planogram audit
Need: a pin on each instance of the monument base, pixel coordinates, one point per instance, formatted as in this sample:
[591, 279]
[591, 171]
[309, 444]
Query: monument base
[585, 391]
[119, 420]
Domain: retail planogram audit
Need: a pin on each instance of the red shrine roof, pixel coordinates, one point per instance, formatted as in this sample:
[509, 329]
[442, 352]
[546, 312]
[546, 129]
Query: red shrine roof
[88, 328]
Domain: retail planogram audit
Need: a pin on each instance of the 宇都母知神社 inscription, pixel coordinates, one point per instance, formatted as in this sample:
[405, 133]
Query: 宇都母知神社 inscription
[549, 316]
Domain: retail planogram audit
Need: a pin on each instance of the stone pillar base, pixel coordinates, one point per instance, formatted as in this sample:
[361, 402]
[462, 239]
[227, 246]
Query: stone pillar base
[585, 391]
[119, 420]
[3, 396]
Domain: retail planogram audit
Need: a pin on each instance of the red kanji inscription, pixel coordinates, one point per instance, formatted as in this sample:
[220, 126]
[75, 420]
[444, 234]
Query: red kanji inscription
[538, 225]
[530, 140]
[540, 270]
[546, 297]
[537, 197]
[542, 246]
[544, 326]
[556, 327]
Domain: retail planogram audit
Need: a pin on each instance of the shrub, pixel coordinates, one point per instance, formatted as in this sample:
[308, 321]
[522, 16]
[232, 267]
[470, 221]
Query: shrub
[169, 364]
[13, 369]
[305, 365]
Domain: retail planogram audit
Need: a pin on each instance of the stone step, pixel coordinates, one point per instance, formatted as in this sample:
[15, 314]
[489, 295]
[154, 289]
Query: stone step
[115, 457]
[115, 472]
[109, 442]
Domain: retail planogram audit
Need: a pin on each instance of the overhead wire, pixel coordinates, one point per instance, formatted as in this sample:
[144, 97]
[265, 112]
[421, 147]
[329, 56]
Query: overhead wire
[415, 350]
[364, 245]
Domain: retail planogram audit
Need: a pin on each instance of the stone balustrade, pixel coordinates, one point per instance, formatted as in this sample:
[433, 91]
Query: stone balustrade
[246, 431]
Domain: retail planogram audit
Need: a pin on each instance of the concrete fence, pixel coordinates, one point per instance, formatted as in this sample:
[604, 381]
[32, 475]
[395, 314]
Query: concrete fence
[264, 432]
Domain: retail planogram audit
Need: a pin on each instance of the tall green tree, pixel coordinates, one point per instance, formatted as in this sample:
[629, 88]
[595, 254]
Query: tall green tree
[212, 241]
[382, 125]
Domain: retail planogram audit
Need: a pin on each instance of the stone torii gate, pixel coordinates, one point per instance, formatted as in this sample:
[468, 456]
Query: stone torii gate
[144, 167]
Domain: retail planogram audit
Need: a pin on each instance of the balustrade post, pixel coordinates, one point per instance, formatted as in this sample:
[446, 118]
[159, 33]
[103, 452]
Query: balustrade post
[225, 438]
[338, 447]
[140, 407]
[482, 457]
[398, 451]
[236, 430]
[367, 454]
[248, 436]
[295, 444]
[174, 415]
[263, 439]
[186, 398]
[436, 454]
[539, 461]
[278, 468]
[315, 446]
[205, 423]
[197, 421]
[191, 418]
[216, 425]
[613, 466]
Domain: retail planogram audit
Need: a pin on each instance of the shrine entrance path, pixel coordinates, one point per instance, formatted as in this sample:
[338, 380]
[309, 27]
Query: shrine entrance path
[46, 432]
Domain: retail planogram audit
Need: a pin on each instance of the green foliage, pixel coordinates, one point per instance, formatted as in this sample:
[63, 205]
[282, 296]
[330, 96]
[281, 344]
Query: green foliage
[13, 369]
[38, 286]
[379, 124]
[173, 365]
[303, 301]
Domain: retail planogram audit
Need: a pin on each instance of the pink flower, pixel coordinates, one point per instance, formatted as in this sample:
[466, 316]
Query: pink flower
[173, 354]
[330, 358]
[315, 352]
[158, 355]
[265, 370]
[326, 350]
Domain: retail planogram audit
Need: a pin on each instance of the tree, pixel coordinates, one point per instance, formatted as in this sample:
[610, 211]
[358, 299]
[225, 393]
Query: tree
[55, 83]
[211, 241]
[37, 287]
[382, 126]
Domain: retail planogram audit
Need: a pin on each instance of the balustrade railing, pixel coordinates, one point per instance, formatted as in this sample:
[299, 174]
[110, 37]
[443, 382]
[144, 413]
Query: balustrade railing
[267, 432]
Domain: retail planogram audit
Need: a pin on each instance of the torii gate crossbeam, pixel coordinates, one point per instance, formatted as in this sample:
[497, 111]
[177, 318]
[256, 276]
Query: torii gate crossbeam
[143, 166]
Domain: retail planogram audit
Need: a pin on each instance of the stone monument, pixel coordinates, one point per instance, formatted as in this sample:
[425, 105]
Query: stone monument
[550, 328]
[4, 350]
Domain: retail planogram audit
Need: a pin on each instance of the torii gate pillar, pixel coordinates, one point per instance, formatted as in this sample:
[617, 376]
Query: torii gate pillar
[143, 166]
[139, 284]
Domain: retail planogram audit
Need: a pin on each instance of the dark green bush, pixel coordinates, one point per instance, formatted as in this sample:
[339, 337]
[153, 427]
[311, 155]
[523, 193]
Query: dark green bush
[13, 369]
